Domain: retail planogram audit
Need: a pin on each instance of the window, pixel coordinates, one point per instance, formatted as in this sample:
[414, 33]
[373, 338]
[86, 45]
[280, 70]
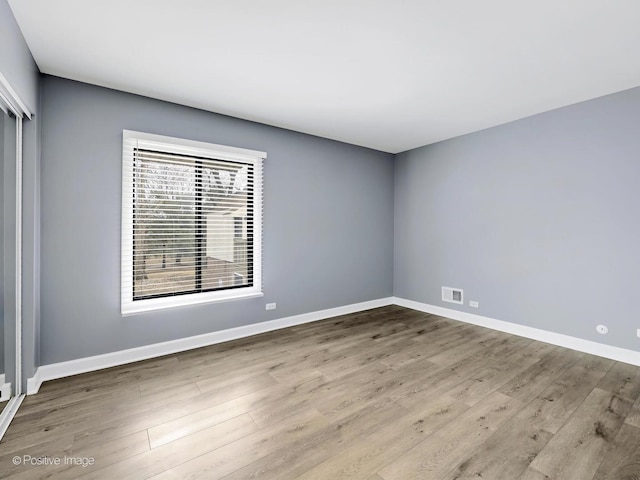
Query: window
[191, 222]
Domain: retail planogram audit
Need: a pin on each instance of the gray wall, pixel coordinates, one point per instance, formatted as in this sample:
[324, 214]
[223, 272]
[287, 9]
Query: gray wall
[536, 219]
[328, 221]
[20, 70]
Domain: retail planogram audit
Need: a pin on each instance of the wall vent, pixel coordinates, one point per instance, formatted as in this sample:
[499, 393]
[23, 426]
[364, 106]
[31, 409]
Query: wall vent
[452, 295]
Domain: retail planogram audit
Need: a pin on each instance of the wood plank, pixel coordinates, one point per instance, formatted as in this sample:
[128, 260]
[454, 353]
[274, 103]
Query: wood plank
[285, 457]
[441, 452]
[297, 458]
[622, 460]
[576, 451]
[109, 429]
[505, 454]
[633, 418]
[551, 409]
[106, 422]
[174, 453]
[428, 341]
[366, 456]
[440, 381]
[381, 383]
[488, 379]
[533, 474]
[467, 348]
[540, 375]
[623, 380]
[194, 422]
[269, 411]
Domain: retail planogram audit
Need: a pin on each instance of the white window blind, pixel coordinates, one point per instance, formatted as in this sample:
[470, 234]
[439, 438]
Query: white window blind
[191, 222]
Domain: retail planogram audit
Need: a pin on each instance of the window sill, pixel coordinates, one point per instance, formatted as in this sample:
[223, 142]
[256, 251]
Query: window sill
[155, 304]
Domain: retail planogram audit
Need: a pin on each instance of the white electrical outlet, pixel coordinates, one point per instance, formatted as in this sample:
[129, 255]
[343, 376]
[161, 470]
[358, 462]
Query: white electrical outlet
[270, 306]
[602, 329]
[474, 304]
[638, 332]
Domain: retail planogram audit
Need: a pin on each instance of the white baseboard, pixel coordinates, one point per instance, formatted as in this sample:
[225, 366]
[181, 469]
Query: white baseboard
[607, 351]
[107, 360]
[5, 390]
[33, 383]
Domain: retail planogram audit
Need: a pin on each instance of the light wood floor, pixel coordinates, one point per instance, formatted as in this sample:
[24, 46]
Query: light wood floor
[387, 394]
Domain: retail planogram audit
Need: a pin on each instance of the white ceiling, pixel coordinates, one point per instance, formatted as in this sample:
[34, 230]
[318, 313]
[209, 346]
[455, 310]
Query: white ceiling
[390, 75]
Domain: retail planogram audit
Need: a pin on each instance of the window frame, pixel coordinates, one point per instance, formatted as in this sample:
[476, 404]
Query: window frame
[132, 140]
